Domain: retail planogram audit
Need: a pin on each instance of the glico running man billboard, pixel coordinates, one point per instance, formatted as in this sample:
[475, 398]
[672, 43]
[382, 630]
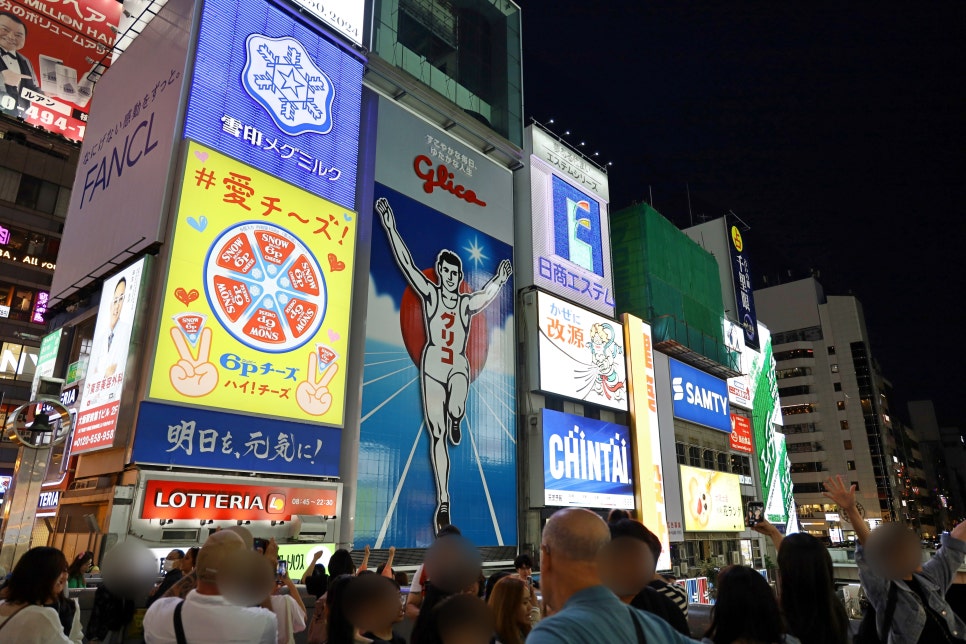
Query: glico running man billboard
[438, 435]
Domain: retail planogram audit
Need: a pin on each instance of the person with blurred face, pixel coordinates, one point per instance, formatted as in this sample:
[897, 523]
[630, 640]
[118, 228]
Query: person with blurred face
[510, 603]
[207, 616]
[889, 560]
[628, 567]
[374, 606]
[37, 581]
[584, 610]
[460, 619]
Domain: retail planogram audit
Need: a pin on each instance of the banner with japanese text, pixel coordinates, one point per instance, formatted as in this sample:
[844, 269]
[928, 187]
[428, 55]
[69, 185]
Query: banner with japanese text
[255, 314]
[48, 51]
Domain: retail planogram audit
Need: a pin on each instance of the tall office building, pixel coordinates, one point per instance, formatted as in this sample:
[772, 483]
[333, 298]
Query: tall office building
[834, 402]
[944, 459]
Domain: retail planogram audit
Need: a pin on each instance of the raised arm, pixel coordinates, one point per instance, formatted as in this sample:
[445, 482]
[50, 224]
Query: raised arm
[482, 298]
[387, 569]
[414, 276]
[769, 530]
[845, 497]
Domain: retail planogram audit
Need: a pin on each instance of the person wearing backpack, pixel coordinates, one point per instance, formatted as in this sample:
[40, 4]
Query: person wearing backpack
[890, 565]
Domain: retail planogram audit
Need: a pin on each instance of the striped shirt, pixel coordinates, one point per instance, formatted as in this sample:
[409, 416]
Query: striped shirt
[673, 592]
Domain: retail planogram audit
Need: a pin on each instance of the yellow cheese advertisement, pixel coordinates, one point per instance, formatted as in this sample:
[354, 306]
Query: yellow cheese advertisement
[712, 501]
[256, 304]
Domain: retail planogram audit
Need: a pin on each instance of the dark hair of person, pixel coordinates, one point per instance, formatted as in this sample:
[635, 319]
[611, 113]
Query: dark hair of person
[449, 530]
[491, 584]
[193, 555]
[616, 515]
[432, 597]
[80, 564]
[631, 529]
[341, 563]
[813, 612]
[17, 20]
[339, 628]
[367, 591]
[505, 603]
[317, 583]
[33, 578]
[523, 561]
[402, 579]
[454, 612]
[745, 609]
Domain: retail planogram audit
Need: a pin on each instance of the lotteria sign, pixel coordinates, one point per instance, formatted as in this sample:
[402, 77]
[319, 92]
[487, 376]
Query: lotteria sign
[220, 502]
[699, 397]
[586, 462]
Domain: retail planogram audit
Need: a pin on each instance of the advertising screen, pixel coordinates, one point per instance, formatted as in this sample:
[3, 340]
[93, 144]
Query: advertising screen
[744, 291]
[571, 239]
[346, 17]
[646, 434]
[581, 354]
[700, 397]
[712, 501]
[217, 501]
[438, 437]
[741, 434]
[47, 359]
[272, 93]
[104, 385]
[170, 435]
[586, 462]
[739, 391]
[47, 50]
[256, 306]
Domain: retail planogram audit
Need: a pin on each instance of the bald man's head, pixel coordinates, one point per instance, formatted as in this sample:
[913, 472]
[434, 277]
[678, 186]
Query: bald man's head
[217, 550]
[244, 533]
[576, 535]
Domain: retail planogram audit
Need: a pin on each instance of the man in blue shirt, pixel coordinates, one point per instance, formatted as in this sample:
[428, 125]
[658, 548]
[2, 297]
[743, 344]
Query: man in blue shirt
[582, 610]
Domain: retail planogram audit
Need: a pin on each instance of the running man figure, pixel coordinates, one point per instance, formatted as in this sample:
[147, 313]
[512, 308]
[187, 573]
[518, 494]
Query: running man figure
[444, 368]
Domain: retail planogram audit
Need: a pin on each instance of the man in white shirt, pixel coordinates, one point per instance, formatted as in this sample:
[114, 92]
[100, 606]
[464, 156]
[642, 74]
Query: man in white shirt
[208, 617]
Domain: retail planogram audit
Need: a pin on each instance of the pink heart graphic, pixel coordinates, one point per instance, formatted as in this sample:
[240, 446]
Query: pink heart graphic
[202, 156]
[334, 336]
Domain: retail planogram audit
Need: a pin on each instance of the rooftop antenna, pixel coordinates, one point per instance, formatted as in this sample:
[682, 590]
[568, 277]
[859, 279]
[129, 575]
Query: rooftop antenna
[687, 187]
[650, 193]
[745, 226]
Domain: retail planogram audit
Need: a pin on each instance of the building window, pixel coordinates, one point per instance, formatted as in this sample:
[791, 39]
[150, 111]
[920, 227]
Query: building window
[837, 386]
[708, 459]
[801, 468]
[795, 372]
[679, 450]
[694, 456]
[844, 424]
[841, 405]
[834, 368]
[722, 462]
[850, 465]
[856, 484]
[847, 444]
[798, 390]
[806, 408]
[794, 354]
[740, 465]
[831, 351]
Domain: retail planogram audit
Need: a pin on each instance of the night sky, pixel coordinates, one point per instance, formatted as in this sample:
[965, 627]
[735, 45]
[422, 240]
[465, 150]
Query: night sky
[837, 133]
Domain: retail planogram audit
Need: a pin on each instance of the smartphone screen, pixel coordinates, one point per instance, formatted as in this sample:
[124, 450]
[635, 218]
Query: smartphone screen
[260, 545]
[282, 568]
[755, 513]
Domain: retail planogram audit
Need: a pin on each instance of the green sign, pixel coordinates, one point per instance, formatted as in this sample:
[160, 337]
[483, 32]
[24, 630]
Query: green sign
[299, 556]
[46, 359]
[72, 373]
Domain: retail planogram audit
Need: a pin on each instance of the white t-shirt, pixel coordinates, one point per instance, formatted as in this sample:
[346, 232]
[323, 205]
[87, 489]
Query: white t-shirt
[33, 625]
[295, 622]
[209, 619]
[416, 587]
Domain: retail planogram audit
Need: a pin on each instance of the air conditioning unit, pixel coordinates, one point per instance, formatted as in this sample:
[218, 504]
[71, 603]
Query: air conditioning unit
[735, 558]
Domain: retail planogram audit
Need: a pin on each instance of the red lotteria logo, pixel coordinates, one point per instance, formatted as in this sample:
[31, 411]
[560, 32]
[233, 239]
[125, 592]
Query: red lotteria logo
[442, 178]
[276, 503]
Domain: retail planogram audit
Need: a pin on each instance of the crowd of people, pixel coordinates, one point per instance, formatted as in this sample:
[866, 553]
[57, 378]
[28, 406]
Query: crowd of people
[598, 583]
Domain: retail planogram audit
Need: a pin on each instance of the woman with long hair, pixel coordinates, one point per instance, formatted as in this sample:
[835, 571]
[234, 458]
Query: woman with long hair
[510, 603]
[28, 611]
[81, 565]
[745, 610]
[806, 589]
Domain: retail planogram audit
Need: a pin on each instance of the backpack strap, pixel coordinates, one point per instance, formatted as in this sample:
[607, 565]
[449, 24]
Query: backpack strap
[889, 611]
[179, 624]
[641, 638]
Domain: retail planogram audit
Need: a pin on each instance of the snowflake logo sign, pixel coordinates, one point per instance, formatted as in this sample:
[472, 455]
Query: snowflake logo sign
[282, 78]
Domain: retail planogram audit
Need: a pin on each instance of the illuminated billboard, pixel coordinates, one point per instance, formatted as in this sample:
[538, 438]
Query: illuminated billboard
[744, 291]
[106, 372]
[346, 17]
[586, 462]
[581, 354]
[255, 314]
[739, 391]
[741, 431]
[439, 423]
[712, 501]
[48, 50]
[219, 501]
[274, 94]
[571, 238]
[700, 397]
[649, 475]
[46, 359]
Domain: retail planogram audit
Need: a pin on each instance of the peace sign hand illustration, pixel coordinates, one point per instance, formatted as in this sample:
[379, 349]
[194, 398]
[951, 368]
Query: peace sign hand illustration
[313, 394]
[193, 377]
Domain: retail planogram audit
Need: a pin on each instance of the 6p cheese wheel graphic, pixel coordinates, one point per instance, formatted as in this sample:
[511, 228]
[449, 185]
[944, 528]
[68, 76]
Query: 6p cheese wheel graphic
[265, 287]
